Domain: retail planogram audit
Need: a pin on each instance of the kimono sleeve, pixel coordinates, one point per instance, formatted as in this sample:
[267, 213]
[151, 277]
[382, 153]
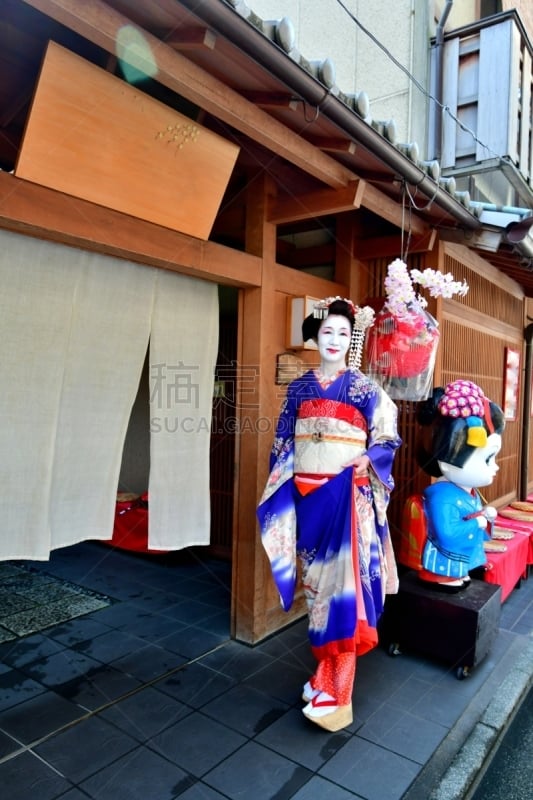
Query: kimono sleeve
[383, 438]
[285, 426]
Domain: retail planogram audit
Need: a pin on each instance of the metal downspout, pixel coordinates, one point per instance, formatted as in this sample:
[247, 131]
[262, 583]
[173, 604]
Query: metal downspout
[526, 412]
[439, 88]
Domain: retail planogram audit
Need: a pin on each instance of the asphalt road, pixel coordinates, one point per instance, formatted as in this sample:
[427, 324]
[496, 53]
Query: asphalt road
[510, 774]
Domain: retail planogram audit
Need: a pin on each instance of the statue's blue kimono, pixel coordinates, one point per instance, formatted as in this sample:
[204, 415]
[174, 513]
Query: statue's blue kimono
[454, 543]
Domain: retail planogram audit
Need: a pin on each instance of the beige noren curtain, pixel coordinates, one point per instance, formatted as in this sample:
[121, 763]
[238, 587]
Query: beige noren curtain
[75, 328]
[183, 350]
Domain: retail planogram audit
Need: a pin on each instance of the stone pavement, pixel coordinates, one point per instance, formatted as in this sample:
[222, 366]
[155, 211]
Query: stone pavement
[150, 699]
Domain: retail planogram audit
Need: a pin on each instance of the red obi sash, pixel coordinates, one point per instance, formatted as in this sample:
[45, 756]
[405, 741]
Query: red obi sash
[334, 410]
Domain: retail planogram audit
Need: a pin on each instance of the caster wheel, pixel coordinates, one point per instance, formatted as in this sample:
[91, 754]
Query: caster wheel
[394, 649]
[462, 673]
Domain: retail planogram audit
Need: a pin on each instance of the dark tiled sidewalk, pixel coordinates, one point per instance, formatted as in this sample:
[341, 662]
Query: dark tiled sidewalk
[149, 699]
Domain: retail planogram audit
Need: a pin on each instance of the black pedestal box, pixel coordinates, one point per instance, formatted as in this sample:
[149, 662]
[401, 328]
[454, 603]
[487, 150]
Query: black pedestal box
[458, 629]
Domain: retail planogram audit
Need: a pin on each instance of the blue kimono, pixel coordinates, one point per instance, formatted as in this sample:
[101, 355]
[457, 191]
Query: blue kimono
[316, 508]
[454, 543]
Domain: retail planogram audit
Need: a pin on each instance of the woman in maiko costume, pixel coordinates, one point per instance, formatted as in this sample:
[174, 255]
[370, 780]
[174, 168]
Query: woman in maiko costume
[326, 500]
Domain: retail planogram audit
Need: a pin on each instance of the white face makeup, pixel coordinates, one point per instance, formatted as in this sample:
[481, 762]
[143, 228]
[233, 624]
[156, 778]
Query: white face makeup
[481, 467]
[334, 341]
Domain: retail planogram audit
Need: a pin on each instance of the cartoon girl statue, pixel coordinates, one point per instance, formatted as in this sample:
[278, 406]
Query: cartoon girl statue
[466, 438]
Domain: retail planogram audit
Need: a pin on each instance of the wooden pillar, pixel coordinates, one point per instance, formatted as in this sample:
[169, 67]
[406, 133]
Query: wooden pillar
[256, 610]
[345, 268]
[257, 349]
[348, 269]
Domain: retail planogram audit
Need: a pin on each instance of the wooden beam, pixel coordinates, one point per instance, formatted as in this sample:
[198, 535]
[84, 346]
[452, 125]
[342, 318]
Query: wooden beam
[391, 246]
[272, 100]
[328, 201]
[102, 25]
[111, 64]
[316, 204]
[37, 211]
[389, 209]
[334, 145]
[192, 38]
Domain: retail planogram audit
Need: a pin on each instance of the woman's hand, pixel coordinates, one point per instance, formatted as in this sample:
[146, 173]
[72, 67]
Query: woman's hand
[360, 465]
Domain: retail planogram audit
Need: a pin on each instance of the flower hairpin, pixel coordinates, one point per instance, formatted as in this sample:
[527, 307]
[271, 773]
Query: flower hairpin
[363, 318]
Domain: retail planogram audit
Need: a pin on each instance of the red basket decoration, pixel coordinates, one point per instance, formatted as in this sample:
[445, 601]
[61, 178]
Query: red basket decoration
[402, 348]
[402, 345]
[401, 354]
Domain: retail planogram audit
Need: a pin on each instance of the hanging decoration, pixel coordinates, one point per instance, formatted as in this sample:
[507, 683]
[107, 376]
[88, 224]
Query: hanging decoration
[402, 345]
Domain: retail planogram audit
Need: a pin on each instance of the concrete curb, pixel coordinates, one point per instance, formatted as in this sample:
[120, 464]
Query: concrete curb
[473, 758]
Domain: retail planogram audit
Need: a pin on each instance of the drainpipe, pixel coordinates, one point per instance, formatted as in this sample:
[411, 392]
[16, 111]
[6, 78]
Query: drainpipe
[526, 412]
[439, 89]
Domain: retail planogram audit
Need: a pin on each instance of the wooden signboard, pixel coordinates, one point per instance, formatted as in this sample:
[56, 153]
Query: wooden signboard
[91, 135]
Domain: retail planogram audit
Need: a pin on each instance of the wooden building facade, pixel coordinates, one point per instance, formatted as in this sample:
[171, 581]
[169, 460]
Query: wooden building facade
[313, 205]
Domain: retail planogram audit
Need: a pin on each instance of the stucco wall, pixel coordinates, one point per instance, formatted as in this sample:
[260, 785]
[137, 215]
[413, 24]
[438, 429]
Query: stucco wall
[525, 9]
[465, 11]
[325, 30]
[462, 13]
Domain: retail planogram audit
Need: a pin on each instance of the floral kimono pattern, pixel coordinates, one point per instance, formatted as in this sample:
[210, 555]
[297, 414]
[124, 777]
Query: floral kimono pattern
[315, 508]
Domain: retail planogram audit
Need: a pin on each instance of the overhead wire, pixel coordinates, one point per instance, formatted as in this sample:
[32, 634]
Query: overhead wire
[445, 109]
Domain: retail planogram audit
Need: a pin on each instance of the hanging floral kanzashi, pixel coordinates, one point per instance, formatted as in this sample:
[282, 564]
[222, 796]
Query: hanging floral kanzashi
[403, 342]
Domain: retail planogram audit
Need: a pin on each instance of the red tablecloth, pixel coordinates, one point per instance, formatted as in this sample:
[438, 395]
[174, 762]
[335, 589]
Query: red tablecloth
[507, 568]
[523, 528]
